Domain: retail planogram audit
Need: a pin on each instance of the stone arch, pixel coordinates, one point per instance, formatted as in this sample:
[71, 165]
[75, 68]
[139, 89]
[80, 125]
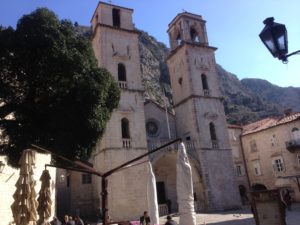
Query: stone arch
[164, 167]
[116, 17]
[194, 35]
[178, 38]
[259, 187]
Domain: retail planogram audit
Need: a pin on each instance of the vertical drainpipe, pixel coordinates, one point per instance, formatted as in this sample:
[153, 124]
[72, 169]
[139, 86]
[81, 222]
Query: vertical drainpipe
[245, 163]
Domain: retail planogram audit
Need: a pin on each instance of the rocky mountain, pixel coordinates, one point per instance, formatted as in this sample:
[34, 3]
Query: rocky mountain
[287, 97]
[245, 100]
[155, 75]
[241, 103]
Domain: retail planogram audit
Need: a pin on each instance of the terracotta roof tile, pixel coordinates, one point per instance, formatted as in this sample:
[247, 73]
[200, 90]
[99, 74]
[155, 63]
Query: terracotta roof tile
[269, 122]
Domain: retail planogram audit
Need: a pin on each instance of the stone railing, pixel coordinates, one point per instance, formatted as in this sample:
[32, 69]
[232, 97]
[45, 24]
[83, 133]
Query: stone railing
[153, 144]
[206, 92]
[126, 143]
[122, 84]
[215, 144]
[163, 209]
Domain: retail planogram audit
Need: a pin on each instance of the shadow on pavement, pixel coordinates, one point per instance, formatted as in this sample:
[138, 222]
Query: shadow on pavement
[246, 221]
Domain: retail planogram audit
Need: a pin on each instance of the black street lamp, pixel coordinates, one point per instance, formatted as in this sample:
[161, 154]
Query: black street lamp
[274, 37]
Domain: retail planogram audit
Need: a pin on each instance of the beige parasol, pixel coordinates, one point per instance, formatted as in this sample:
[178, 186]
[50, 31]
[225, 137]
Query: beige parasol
[25, 204]
[184, 186]
[44, 199]
[152, 196]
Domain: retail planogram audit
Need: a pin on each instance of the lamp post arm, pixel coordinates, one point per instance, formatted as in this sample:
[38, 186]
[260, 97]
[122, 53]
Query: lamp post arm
[293, 53]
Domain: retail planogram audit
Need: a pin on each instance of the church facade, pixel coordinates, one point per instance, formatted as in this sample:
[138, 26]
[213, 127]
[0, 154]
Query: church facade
[138, 126]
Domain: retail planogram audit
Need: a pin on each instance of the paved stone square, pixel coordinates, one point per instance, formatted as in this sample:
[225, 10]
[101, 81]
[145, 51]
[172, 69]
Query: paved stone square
[238, 217]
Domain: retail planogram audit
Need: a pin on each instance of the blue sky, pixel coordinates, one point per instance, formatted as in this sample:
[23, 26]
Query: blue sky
[232, 25]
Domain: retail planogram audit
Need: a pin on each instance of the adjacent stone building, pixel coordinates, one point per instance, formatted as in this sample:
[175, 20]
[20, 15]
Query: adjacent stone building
[272, 151]
[238, 157]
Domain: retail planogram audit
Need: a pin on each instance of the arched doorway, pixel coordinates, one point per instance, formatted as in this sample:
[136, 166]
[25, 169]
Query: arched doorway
[165, 174]
[243, 194]
[164, 167]
[259, 187]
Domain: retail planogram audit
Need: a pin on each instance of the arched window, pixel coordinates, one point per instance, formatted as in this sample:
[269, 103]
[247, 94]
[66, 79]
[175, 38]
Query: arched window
[121, 72]
[178, 39]
[125, 128]
[204, 82]
[194, 35]
[295, 134]
[116, 17]
[212, 131]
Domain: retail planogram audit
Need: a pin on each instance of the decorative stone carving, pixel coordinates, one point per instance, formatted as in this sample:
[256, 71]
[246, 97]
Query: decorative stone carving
[211, 116]
[202, 62]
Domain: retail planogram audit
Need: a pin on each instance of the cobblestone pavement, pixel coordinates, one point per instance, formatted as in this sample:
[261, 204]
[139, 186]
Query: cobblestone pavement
[239, 217]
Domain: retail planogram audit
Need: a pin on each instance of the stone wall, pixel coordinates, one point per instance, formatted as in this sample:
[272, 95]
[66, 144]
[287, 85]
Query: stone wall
[238, 161]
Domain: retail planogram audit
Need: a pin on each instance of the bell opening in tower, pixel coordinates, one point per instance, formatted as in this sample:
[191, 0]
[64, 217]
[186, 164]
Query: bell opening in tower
[116, 17]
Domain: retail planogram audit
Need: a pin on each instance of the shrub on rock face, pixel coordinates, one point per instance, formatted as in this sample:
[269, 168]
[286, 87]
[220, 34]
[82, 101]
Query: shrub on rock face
[51, 91]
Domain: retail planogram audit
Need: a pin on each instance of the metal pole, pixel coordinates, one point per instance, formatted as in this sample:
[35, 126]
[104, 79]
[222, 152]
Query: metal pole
[104, 201]
[167, 118]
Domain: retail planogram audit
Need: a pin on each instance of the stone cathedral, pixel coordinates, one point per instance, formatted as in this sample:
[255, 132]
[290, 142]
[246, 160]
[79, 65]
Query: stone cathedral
[138, 126]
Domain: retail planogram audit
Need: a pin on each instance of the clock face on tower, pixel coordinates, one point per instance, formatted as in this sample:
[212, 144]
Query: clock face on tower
[152, 127]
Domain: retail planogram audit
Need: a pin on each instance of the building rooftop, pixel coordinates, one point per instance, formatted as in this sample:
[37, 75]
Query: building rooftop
[269, 122]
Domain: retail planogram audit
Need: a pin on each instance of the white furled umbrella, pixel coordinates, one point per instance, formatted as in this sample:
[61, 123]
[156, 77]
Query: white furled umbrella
[25, 204]
[152, 196]
[44, 199]
[184, 186]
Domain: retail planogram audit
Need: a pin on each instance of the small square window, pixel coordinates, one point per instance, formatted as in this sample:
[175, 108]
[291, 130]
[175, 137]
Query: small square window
[253, 146]
[240, 170]
[86, 178]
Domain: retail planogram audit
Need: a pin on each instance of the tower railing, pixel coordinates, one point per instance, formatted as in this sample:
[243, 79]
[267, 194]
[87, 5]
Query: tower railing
[215, 144]
[122, 84]
[152, 144]
[126, 142]
[206, 92]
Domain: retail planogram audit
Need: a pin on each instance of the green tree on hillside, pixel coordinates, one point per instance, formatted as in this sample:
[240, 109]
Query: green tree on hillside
[51, 91]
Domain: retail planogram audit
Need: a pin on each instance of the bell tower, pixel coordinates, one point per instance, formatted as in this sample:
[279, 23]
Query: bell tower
[115, 44]
[199, 110]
